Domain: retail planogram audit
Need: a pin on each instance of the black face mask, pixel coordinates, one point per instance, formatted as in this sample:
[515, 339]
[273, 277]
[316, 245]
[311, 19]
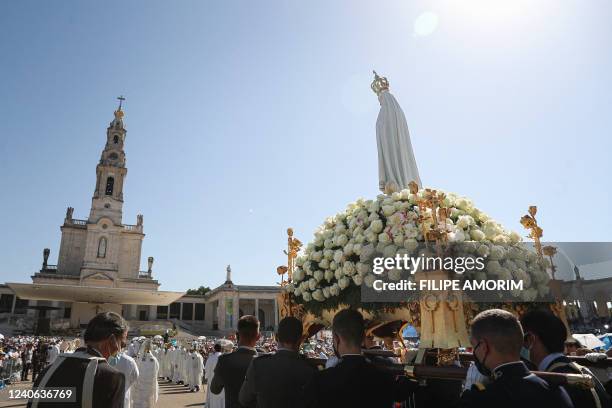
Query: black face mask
[480, 364]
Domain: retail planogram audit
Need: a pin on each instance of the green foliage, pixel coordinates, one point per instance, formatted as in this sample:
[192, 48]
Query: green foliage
[201, 291]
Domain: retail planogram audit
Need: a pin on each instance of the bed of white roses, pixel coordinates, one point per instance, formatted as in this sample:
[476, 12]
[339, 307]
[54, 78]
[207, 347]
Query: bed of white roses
[332, 267]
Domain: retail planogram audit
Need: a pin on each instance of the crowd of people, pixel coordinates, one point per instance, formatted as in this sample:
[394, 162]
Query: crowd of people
[248, 370]
[25, 356]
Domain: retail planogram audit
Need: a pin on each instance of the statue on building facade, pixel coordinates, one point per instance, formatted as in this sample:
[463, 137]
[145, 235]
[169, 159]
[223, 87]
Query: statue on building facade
[46, 253]
[228, 275]
[139, 220]
[69, 212]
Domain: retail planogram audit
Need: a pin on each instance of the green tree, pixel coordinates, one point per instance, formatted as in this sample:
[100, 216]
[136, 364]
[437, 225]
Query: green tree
[199, 291]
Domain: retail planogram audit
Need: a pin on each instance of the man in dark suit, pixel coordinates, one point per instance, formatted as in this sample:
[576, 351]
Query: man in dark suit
[231, 368]
[97, 384]
[497, 338]
[355, 382]
[278, 380]
[545, 336]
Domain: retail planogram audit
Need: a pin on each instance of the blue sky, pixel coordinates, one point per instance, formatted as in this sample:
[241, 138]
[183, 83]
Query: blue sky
[245, 118]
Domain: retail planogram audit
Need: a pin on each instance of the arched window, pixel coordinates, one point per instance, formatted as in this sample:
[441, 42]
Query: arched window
[110, 182]
[116, 139]
[102, 248]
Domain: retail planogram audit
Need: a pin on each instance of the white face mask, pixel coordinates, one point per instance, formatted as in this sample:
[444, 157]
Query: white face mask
[113, 360]
[118, 347]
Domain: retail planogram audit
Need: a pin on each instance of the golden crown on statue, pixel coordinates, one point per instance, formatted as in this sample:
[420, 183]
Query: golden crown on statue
[379, 84]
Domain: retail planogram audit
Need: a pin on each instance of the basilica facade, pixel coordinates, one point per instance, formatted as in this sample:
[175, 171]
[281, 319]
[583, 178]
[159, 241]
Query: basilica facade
[98, 269]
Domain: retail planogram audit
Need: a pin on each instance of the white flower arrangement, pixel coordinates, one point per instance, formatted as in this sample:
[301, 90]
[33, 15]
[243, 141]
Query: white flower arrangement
[341, 253]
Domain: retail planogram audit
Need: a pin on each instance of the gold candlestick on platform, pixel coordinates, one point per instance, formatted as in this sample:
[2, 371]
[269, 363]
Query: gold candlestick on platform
[529, 222]
[550, 251]
[293, 248]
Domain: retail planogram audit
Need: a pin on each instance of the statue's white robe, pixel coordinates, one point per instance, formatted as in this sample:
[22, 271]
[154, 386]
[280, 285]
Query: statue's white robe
[396, 163]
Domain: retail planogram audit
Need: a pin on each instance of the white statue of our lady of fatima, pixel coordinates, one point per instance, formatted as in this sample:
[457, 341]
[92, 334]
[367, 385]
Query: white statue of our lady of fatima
[396, 164]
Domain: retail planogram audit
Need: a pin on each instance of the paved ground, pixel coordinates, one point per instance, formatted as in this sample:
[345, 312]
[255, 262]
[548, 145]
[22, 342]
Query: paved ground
[170, 396]
[174, 396]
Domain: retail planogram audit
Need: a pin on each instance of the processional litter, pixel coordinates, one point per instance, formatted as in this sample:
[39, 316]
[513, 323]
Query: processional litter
[327, 276]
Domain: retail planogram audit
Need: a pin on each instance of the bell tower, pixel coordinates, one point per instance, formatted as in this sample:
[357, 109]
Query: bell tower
[107, 200]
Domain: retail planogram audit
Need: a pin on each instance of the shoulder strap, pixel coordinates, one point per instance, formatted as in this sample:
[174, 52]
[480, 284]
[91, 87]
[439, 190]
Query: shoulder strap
[88, 383]
[560, 364]
[46, 377]
[582, 370]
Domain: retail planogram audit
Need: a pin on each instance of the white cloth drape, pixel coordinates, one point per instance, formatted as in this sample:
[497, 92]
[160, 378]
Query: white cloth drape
[396, 163]
[212, 400]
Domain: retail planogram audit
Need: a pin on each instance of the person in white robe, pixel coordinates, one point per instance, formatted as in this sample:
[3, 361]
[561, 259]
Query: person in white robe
[188, 369]
[179, 365]
[133, 347]
[176, 357]
[127, 365]
[145, 391]
[163, 363]
[184, 367]
[195, 373]
[212, 400]
[168, 360]
[52, 352]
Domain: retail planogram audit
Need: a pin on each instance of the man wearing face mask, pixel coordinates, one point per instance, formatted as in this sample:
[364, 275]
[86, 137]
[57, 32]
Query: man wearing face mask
[95, 382]
[355, 382]
[497, 338]
[545, 336]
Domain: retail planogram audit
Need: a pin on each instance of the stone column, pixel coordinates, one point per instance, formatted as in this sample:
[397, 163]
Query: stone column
[53, 313]
[236, 310]
[13, 306]
[153, 312]
[31, 312]
[132, 312]
[256, 313]
[221, 313]
[209, 316]
[181, 312]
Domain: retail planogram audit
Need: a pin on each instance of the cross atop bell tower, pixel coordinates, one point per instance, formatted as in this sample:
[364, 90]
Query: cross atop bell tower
[111, 171]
